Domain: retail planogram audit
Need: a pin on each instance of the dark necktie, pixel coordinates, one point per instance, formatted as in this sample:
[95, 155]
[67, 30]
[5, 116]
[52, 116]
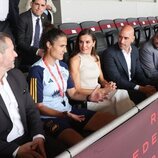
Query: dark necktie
[37, 34]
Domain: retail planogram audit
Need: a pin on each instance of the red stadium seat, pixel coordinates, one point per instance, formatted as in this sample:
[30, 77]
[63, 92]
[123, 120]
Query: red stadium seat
[140, 37]
[144, 23]
[110, 31]
[120, 23]
[72, 30]
[153, 23]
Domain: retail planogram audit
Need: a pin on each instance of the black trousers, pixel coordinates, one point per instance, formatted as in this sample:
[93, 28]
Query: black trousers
[5, 27]
[136, 96]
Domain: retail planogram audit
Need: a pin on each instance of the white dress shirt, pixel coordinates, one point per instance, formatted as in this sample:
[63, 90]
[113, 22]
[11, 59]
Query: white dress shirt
[13, 110]
[34, 18]
[4, 9]
[127, 56]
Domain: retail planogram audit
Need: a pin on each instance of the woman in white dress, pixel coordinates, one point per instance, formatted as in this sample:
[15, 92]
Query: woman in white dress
[85, 69]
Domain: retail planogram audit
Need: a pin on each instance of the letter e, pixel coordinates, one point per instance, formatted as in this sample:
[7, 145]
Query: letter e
[145, 147]
[135, 154]
[154, 138]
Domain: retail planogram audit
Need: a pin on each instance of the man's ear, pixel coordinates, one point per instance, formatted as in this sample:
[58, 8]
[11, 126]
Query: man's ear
[48, 44]
[133, 39]
[31, 4]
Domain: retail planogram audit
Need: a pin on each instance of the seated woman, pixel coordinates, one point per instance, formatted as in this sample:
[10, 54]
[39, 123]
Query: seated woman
[85, 69]
[50, 83]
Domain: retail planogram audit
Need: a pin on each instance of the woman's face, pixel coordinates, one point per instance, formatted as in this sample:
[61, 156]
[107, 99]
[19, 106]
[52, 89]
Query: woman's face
[86, 44]
[58, 48]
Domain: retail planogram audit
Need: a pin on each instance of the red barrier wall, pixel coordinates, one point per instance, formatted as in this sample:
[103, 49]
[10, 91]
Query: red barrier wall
[136, 138]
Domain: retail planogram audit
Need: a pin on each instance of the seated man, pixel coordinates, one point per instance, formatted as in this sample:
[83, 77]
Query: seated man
[21, 133]
[121, 64]
[29, 31]
[149, 57]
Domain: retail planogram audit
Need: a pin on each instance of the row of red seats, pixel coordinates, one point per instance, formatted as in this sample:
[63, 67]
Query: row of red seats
[107, 30]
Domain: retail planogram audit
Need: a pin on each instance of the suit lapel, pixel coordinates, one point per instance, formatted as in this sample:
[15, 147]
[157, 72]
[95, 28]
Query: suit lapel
[12, 85]
[3, 106]
[30, 24]
[42, 19]
[17, 93]
[133, 64]
[122, 61]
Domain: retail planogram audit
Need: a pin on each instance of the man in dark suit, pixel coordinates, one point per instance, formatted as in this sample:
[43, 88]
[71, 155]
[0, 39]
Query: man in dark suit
[26, 33]
[149, 57]
[21, 133]
[121, 64]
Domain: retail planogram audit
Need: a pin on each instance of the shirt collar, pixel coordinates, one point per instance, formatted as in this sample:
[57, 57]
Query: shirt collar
[34, 16]
[130, 50]
[4, 78]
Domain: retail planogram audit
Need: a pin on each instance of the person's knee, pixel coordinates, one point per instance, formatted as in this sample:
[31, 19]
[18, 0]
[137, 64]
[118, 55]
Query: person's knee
[67, 135]
[99, 120]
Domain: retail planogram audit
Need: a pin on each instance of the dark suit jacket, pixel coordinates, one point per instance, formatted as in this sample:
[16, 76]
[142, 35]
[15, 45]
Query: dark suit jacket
[13, 15]
[29, 115]
[8, 26]
[24, 37]
[115, 68]
[149, 60]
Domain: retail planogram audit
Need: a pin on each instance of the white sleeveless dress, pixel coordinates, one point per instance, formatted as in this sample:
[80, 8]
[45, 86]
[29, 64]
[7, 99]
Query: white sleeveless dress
[118, 101]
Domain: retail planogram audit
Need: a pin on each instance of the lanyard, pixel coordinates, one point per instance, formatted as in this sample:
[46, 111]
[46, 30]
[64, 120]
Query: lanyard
[61, 90]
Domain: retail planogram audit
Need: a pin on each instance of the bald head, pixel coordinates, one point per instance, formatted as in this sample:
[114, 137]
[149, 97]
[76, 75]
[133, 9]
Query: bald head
[126, 37]
[128, 29]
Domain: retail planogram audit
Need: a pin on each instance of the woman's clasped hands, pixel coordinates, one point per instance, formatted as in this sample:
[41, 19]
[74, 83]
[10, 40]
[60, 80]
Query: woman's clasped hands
[99, 94]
